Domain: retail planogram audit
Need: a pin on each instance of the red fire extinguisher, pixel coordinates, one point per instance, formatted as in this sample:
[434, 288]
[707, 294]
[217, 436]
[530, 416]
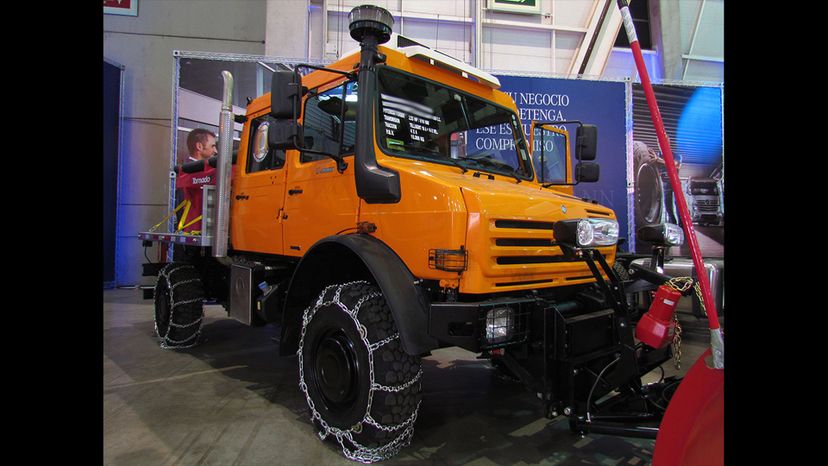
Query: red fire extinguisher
[656, 327]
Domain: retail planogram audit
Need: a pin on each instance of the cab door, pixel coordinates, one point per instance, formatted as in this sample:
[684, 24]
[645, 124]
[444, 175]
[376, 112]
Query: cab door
[320, 200]
[258, 194]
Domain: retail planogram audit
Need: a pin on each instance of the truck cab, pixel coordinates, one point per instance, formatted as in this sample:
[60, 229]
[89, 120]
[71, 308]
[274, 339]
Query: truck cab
[457, 190]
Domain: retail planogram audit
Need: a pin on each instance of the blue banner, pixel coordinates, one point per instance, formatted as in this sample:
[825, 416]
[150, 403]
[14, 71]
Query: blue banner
[599, 103]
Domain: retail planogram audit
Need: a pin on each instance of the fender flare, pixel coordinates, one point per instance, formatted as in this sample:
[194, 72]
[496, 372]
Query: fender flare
[352, 257]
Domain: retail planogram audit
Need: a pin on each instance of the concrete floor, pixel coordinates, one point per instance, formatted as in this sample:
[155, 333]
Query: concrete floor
[232, 400]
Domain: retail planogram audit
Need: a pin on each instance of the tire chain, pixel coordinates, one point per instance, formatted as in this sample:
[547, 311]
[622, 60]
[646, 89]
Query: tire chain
[360, 452]
[166, 341]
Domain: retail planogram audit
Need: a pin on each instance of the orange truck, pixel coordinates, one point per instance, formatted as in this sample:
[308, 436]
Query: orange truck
[361, 218]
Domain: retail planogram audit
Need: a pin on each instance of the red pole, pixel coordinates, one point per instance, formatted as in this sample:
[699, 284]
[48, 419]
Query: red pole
[664, 144]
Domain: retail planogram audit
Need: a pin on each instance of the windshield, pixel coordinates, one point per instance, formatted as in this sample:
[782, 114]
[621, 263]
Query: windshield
[425, 120]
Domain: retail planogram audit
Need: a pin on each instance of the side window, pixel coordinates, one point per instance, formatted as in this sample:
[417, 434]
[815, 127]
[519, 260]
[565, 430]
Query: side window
[260, 157]
[330, 117]
[549, 153]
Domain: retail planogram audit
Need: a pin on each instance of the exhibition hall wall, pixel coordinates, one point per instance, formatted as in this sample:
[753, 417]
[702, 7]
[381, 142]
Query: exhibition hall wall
[144, 45]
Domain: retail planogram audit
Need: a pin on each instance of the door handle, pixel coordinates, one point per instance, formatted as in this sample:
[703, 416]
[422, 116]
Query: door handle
[242, 197]
[295, 191]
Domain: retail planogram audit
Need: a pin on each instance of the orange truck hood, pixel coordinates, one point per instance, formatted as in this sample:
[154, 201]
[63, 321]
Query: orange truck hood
[509, 234]
[503, 196]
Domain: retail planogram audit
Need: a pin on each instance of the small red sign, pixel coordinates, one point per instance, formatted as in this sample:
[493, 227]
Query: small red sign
[117, 3]
[121, 7]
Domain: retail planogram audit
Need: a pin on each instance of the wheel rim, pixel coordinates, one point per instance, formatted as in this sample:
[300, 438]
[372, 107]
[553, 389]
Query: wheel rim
[336, 370]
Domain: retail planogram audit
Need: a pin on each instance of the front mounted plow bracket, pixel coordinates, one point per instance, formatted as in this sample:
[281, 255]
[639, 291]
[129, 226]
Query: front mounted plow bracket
[614, 290]
[630, 412]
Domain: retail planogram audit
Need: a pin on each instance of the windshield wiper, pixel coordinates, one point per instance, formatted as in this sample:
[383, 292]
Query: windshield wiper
[456, 164]
[513, 174]
[499, 166]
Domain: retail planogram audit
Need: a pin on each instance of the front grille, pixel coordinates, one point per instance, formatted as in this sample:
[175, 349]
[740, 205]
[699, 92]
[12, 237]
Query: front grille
[529, 282]
[527, 247]
[526, 224]
[708, 208]
[523, 253]
[523, 242]
[702, 202]
[511, 260]
[599, 213]
[585, 277]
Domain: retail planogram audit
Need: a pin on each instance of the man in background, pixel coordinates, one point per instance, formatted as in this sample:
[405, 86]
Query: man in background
[201, 143]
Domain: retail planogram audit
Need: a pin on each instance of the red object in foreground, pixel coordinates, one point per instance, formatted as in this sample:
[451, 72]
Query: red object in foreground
[692, 432]
[656, 327]
[190, 184]
[667, 153]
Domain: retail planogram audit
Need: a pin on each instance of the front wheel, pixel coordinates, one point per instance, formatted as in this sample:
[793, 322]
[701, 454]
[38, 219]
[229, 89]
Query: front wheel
[360, 385]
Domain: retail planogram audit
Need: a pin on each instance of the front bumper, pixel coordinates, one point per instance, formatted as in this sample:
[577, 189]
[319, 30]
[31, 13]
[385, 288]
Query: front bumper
[568, 328]
[463, 324]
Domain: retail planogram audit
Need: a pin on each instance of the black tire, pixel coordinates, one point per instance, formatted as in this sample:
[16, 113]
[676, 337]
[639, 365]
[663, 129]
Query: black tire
[649, 196]
[348, 336]
[179, 296]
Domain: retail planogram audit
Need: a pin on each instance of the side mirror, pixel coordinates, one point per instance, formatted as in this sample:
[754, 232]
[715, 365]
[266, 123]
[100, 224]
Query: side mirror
[587, 172]
[285, 94]
[284, 135]
[587, 142]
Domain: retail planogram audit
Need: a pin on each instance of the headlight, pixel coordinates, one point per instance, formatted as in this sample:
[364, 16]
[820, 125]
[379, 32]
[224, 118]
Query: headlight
[500, 325]
[587, 232]
[667, 234]
[673, 234]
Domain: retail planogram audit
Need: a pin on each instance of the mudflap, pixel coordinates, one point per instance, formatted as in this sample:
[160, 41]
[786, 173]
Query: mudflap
[692, 431]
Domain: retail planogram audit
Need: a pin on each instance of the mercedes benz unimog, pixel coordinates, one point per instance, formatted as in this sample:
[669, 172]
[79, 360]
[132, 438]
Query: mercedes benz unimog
[368, 214]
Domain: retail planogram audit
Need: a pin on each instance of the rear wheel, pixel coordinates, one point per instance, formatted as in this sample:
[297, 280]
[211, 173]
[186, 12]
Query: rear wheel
[179, 296]
[360, 385]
